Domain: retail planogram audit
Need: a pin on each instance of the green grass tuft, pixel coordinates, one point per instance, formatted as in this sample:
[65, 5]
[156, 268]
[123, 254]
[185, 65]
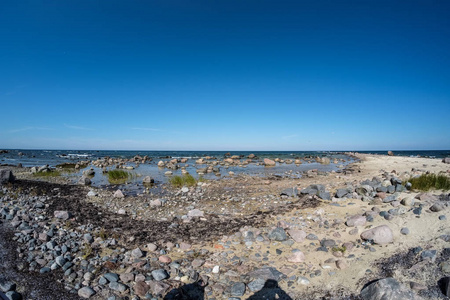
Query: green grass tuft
[118, 176]
[53, 173]
[180, 181]
[426, 182]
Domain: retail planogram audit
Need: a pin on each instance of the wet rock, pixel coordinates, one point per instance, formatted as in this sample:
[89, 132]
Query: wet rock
[86, 292]
[387, 288]
[84, 181]
[278, 234]
[269, 162]
[148, 180]
[379, 235]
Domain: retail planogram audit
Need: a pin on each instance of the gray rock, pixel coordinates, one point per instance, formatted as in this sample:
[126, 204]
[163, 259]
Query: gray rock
[137, 253]
[6, 176]
[256, 285]
[324, 195]
[437, 207]
[238, 289]
[86, 292]
[111, 277]
[195, 213]
[390, 198]
[117, 286]
[62, 214]
[266, 274]
[60, 260]
[328, 243]
[404, 231]
[312, 237]
[278, 234]
[160, 274]
[429, 254]
[88, 238]
[446, 160]
[387, 289]
[84, 181]
[290, 192]
[340, 193]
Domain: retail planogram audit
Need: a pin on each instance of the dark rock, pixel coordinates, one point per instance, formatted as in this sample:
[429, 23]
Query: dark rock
[266, 274]
[341, 193]
[312, 237]
[444, 285]
[6, 176]
[290, 192]
[256, 285]
[387, 289]
[324, 195]
[12, 295]
[7, 285]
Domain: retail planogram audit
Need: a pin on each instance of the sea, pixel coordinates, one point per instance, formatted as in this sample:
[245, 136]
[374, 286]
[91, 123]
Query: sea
[52, 158]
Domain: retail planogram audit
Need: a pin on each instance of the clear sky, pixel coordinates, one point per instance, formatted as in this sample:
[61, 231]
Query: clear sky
[225, 75]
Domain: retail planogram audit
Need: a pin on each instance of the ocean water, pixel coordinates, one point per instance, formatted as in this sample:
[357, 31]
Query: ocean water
[29, 158]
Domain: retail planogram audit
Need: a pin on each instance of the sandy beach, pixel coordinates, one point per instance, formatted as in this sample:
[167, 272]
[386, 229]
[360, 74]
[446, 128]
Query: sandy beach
[239, 237]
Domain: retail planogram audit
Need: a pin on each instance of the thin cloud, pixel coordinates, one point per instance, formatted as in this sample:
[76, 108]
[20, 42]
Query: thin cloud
[146, 129]
[29, 128]
[76, 127]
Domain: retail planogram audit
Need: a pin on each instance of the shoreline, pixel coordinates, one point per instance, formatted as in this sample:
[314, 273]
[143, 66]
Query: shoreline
[256, 221]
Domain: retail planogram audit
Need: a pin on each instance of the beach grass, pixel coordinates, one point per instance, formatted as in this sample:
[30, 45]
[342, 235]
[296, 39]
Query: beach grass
[426, 182]
[52, 173]
[118, 176]
[180, 181]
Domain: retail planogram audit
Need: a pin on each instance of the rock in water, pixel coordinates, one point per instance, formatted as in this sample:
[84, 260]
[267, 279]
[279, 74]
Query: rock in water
[387, 289]
[148, 180]
[269, 162]
[380, 235]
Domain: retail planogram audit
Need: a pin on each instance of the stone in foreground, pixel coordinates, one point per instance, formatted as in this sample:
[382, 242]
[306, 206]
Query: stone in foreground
[387, 289]
[86, 292]
[379, 235]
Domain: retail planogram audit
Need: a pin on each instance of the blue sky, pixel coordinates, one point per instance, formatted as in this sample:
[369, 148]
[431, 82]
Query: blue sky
[225, 75]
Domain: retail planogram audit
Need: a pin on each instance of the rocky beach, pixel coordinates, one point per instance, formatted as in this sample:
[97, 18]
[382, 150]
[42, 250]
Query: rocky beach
[355, 230]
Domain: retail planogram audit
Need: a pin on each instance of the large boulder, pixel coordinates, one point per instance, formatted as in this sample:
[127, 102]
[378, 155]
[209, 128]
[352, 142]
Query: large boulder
[387, 289]
[379, 235]
[269, 162]
[6, 176]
